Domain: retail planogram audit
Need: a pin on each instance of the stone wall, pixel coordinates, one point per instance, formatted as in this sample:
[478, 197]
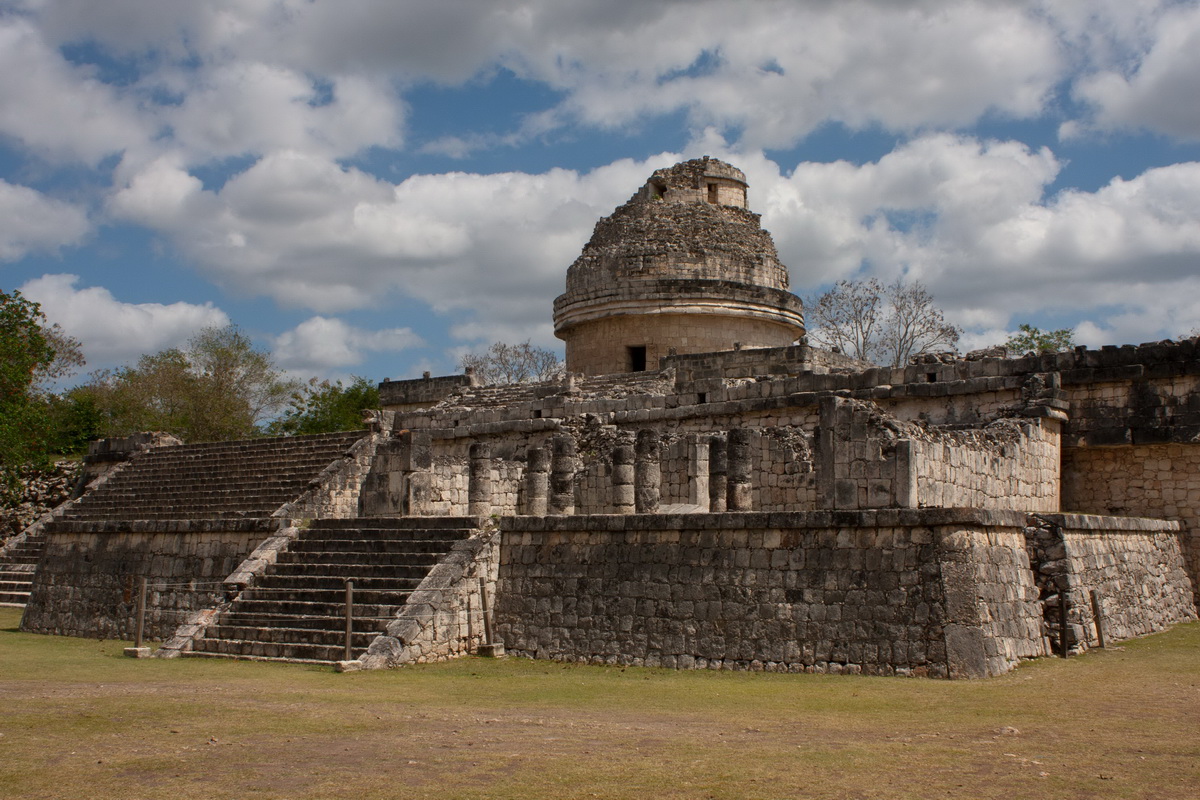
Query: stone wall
[908, 593]
[1010, 464]
[869, 459]
[1133, 564]
[1151, 480]
[87, 581]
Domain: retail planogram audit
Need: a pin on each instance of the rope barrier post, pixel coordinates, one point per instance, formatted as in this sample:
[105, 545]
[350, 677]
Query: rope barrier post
[138, 651]
[1098, 618]
[349, 618]
[487, 618]
[141, 614]
[1062, 624]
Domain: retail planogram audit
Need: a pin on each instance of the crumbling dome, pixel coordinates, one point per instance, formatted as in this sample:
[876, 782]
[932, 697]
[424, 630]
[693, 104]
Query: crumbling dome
[683, 266]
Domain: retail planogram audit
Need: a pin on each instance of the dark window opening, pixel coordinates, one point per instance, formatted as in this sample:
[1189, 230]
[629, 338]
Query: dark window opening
[637, 358]
[702, 397]
[537, 413]
[712, 193]
[931, 377]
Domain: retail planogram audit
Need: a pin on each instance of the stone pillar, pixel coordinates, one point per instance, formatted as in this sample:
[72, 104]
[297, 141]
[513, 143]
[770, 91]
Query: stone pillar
[399, 481]
[740, 463]
[479, 480]
[647, 473]
[718, 467]
[622, 479]
[697, 470]
[537, 481]
[562, 475]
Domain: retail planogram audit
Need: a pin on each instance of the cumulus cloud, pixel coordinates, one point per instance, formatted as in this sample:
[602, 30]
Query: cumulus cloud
[58, 110]
[323, 343]
[311, 233]
[31, 222]
[970, 219]
[1159, 92]
[113, 332]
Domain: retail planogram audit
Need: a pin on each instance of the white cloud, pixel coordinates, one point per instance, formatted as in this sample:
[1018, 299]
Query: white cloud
[322, 344]
[30, 222]
[55, 109]
[252, 108]
[113, 332]
[970, 220]
[310, 233]
[1159, 93]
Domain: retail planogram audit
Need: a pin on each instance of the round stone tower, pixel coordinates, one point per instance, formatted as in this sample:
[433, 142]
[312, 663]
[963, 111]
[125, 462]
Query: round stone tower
[683, 266]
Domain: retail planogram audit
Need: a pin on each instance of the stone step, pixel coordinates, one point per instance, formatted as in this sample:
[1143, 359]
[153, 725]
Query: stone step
[327, 581]
[331, 595]
[370, 565]
[240, 657]
[242, 648]
[305, 545]
[299, 623]
[268, 610]
[334, 637]
[390, 534]
[14, 598]
[397, 523]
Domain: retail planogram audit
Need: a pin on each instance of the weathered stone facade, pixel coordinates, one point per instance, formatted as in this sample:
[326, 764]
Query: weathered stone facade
[683, 267]
[709, 493]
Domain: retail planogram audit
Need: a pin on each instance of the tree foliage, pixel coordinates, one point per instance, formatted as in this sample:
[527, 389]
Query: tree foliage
[216, 387]
[882, 324]
[32, 354]
[512, 363]
[1029, 339]
[324, 407]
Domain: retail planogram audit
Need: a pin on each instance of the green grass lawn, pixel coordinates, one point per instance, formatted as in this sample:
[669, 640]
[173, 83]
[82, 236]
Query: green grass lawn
[81, 721]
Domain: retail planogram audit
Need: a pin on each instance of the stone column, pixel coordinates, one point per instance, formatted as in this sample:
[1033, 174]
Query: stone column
[718, 467]
[622, 479]
[698, 470]
[479, 480]
[537, 481]
[740, 462]
[562, 475]
[399, 481]
[647, 473]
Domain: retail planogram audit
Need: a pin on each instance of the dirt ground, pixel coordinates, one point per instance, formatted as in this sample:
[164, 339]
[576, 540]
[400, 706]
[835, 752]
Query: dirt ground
[80, 720]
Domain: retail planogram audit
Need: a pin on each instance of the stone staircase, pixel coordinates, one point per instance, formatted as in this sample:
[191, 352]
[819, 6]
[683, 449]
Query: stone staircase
[295, 611]
[213, 480]
[16, 571]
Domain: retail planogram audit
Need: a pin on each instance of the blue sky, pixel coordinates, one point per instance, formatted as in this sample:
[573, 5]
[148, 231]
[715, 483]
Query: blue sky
[373, 188]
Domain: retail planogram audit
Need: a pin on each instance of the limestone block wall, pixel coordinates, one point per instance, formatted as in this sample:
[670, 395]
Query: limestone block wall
[1152, 480]
[1008, 464]
[1134, 564]
[87, 579]
[602, 346]
[899, 592]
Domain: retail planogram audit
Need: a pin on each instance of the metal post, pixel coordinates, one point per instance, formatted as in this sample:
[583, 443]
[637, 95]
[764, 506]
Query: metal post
[487, 619]
[1098, 618]
[349, 618]
[1062, 622]
[141, 614]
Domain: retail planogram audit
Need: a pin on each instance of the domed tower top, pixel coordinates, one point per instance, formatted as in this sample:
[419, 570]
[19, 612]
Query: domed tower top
[682, 266]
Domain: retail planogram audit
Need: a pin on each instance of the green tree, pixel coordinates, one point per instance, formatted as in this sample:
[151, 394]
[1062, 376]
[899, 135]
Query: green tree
[877, 323]
[1029, 339]
[216, 387]
[326, 407]
[512, 363]
[32, 354]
